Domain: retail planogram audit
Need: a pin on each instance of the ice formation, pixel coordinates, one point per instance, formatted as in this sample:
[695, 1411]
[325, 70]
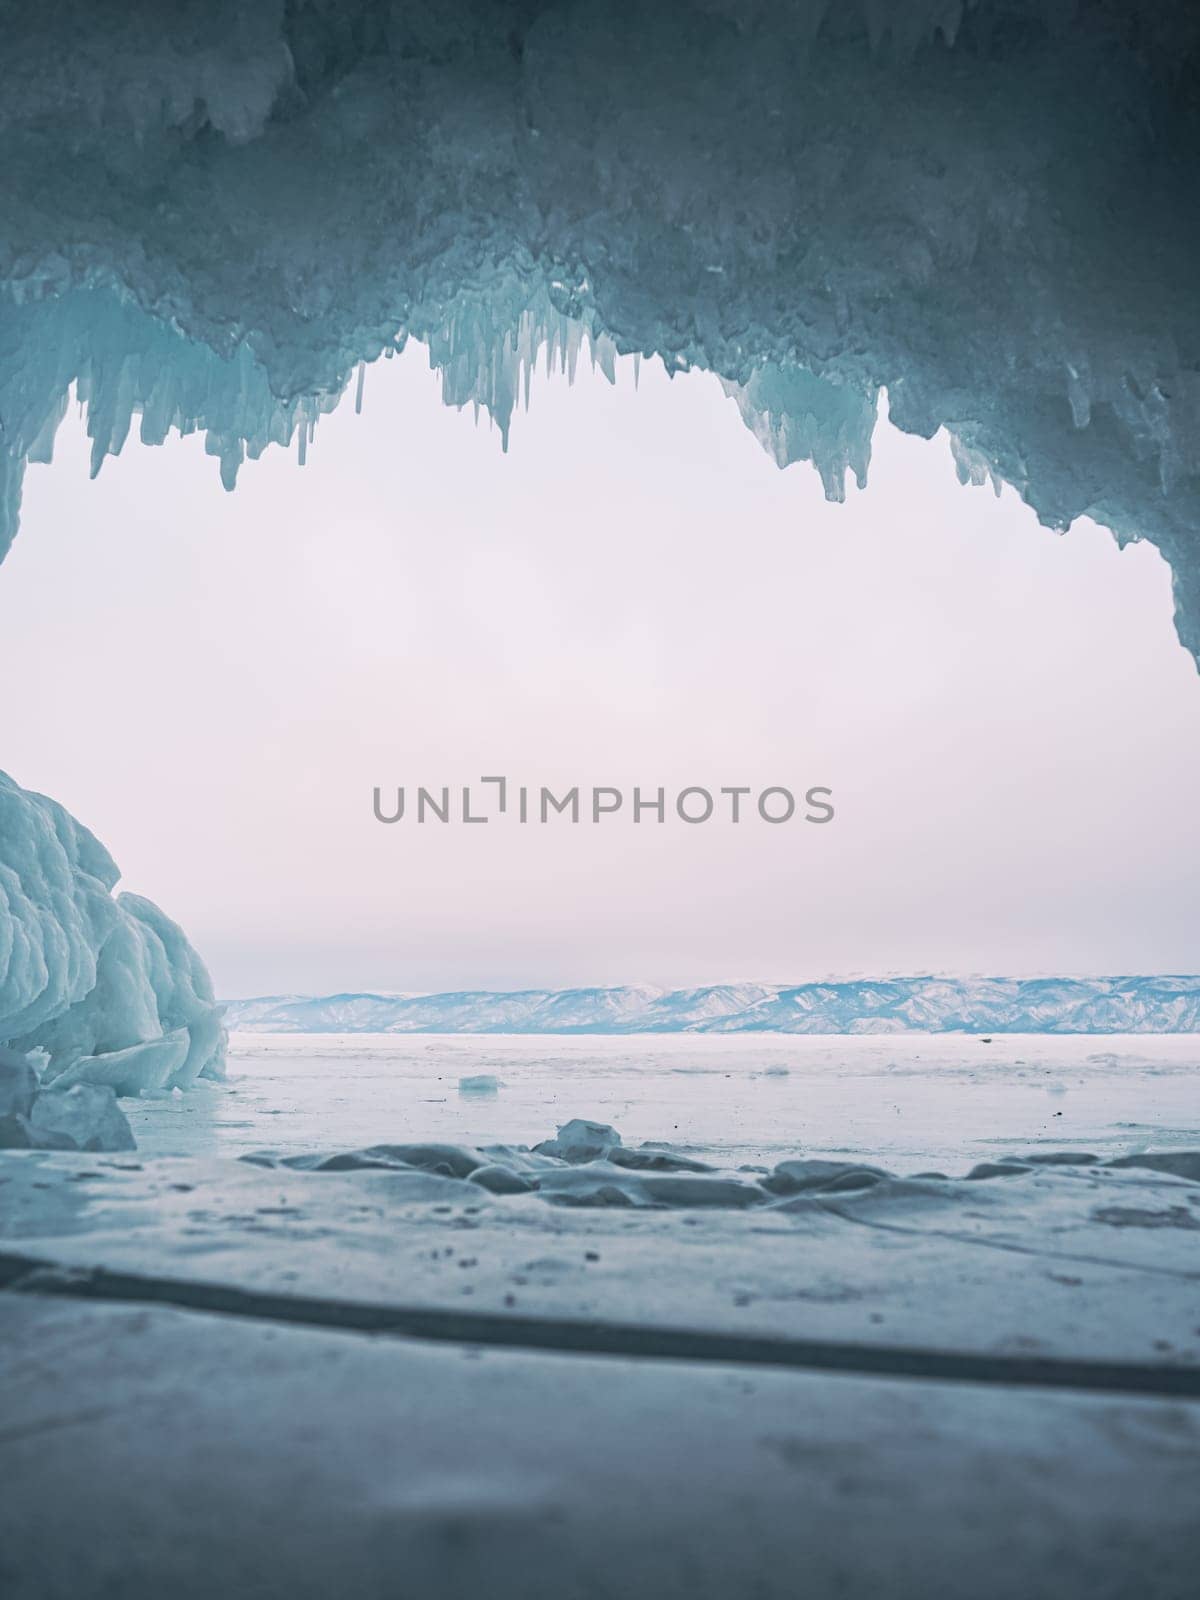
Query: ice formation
[216, 211]
[85, 1117]
[101, 989]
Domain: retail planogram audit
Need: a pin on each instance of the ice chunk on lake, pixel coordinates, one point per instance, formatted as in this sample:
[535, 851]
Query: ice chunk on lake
[84, 1117]
[581, 1140]
[795, 1177]
[18, 1086]
[500, 1179]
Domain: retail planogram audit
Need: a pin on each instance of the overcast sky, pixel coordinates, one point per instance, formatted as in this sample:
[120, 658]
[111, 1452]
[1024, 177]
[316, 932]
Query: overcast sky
[634, 594]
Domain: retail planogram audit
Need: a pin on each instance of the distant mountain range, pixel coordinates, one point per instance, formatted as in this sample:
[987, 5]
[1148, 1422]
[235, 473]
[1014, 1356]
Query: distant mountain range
[873, 1005]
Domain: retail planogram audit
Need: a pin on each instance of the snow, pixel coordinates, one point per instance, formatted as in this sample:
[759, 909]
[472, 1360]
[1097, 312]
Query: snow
[1130, 1004]
[101, 988]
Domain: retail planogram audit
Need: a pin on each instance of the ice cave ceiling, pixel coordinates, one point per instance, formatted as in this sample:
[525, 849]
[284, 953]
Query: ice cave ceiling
[214, 210]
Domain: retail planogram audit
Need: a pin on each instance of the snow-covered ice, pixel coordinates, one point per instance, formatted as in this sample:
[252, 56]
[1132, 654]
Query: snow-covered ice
[642, 1325]
[932, 1003]
[909, 1102]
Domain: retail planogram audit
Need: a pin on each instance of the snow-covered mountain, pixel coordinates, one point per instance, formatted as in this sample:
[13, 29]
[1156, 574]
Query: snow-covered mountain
[883, 1005]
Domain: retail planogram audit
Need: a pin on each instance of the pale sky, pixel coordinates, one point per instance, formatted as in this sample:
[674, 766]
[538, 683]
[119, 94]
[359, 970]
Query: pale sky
[634, 594]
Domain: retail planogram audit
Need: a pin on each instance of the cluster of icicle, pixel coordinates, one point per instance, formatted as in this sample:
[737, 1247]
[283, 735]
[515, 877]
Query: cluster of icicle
[217, 211]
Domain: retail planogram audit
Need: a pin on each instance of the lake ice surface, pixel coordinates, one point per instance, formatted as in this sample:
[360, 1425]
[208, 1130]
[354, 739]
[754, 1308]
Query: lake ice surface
[909, 1102]
[531, 1459]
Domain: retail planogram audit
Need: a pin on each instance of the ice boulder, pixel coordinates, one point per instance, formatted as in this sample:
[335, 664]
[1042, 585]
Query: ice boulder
[18, 1086]
[85, 1117]
[580, 1140]
[105, 986]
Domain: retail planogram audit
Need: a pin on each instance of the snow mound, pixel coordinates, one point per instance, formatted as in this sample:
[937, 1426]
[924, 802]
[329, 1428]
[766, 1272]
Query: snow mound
[105, 987]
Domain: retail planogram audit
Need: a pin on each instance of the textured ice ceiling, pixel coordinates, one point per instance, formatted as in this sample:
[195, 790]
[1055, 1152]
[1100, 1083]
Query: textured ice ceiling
[214, 210]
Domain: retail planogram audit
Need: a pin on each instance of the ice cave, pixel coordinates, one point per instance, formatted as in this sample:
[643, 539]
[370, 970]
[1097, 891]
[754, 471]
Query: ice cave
[217, 212]
[976, 216]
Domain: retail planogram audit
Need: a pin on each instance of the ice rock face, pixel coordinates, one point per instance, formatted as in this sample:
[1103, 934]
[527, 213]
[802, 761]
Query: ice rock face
[105, 986]
[216, 210]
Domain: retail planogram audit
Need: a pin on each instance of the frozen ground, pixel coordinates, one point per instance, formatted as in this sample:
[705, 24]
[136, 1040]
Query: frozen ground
[202, 1456]
[906, 1102]
[378, 1373]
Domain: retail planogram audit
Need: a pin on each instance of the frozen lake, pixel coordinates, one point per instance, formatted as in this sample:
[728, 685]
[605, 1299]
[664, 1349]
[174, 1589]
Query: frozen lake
[372, 1369]
[910, 1102]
